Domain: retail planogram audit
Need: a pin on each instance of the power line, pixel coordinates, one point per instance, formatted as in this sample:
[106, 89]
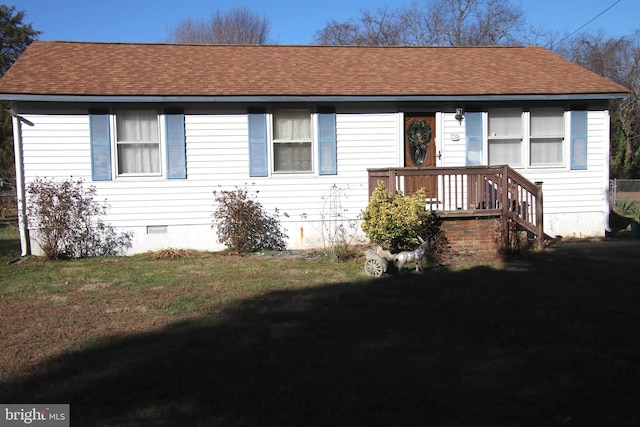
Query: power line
[589, 22]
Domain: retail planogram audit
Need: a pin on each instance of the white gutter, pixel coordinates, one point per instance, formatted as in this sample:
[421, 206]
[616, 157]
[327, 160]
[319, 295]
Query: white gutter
[20, 184]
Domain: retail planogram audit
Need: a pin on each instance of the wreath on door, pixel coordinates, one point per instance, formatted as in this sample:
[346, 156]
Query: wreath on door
[419, 134]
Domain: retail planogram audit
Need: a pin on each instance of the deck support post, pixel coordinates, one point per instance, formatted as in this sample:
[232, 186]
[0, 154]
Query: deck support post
[539, 216]
[392, 181]
[504, 206]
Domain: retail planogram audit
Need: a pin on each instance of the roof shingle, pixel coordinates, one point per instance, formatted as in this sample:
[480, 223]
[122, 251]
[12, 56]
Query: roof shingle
[122, 69]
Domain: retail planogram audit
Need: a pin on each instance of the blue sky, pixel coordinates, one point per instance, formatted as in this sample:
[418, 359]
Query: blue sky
[292, 21]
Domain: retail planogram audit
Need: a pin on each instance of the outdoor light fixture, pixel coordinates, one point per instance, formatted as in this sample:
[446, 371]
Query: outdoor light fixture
[459, 115]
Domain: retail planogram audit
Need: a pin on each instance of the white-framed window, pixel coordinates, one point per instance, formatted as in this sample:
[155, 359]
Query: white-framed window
[292, 141]
[534, 138]
[547, 135]
[137, 142]
[505, 136]
[292, 132]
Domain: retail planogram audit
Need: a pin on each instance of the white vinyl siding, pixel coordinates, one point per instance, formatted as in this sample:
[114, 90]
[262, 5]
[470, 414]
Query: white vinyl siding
[57, 146]
[576, 201]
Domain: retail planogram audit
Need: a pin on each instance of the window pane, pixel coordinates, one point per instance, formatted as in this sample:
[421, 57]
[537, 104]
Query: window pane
[474, 136]
[474, 153]
[138, 158]
[292, 157]
[547, 122]
[546, 151]
[137, 126]
[579, 152]
[505, 152]
[292, 124]
[505, 122]
[578, 140]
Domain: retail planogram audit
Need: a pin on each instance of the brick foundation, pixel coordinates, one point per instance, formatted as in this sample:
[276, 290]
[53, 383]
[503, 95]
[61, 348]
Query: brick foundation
[472, 234]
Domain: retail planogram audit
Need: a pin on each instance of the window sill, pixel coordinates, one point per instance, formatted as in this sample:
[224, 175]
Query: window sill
[139, 176]
[281, 173]
[553, 166]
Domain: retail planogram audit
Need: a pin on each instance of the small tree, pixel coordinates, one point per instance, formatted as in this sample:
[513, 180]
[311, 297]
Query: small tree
[15, 36]
[244, 226]
[396, 221]
[66, 223]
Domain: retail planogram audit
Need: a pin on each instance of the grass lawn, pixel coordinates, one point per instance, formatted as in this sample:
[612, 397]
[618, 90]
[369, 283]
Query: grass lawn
[550, 339]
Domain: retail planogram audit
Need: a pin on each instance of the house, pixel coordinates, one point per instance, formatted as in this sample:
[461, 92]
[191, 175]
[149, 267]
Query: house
[156, 128]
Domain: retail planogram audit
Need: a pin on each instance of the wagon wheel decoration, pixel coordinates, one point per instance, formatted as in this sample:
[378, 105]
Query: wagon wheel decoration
[419, 134]
[373, 267]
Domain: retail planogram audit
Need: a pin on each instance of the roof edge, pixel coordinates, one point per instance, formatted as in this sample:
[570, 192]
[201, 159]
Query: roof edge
[277, 45]
[305, 98]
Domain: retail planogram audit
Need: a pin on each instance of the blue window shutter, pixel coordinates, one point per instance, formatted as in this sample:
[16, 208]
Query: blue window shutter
[474, 134]
[258, 144]
[176, 146]
[327, 144]
[100, 145]
[578, 140]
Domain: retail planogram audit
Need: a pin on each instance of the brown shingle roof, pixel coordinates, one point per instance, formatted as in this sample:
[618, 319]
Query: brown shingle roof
[73, 68]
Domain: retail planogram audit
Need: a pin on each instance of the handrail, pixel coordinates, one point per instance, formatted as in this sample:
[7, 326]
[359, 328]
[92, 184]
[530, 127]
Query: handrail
[474, 190]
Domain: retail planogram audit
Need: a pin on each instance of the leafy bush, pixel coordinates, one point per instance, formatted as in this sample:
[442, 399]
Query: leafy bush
[244, 226]
[395, 221]
[628, 208]
[66, 223]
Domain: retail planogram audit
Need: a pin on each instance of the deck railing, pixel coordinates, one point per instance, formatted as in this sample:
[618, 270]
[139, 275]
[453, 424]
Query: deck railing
[472, 191]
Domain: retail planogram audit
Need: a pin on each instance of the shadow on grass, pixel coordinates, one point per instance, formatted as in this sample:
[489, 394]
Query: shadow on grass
[552, 341]
[9, 240]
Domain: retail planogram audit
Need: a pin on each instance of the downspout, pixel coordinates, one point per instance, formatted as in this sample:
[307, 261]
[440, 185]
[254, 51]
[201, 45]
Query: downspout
[23, 229]
[607, 157]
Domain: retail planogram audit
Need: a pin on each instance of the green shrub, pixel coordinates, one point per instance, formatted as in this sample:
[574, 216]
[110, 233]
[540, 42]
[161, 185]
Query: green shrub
[628, 209]
[66, 222]
[244, 226]
[395, 221]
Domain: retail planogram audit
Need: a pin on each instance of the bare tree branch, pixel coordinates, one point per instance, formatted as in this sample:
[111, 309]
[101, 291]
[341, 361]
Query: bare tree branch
[237, 26]
[619, 60]
[374, 28]
[431, 22]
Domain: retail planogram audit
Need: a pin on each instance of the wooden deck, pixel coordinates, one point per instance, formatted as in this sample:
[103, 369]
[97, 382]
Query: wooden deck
[473, 192]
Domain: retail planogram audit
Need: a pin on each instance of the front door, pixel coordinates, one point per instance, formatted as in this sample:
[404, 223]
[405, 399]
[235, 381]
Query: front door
[420, 151]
